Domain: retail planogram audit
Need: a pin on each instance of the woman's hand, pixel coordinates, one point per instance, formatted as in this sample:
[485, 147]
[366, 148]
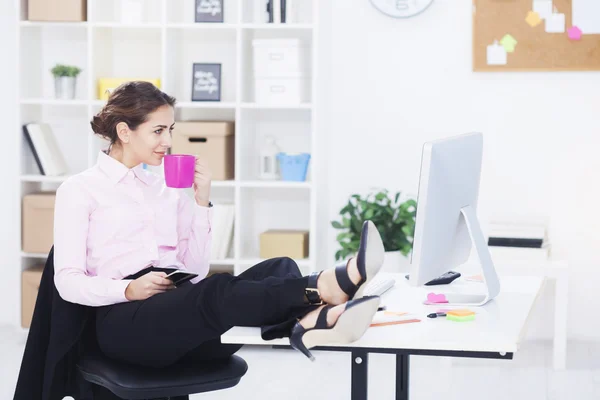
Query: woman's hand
[202, 179]
[147, 286]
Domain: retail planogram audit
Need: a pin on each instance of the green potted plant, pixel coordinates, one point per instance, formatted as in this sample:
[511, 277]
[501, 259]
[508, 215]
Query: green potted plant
[65, 77]
[393, 217]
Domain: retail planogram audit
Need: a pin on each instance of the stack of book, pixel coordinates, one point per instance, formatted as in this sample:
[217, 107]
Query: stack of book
[518, 241]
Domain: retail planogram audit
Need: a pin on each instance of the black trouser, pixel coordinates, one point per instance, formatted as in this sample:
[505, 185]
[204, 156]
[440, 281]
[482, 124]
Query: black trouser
[187, 322]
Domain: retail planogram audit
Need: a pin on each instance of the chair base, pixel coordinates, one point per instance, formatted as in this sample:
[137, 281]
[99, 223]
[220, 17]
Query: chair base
[114, 380]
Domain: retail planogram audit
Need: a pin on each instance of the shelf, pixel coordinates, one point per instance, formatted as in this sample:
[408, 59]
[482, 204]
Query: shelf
[164, 43]
[202, 26]
[223, 183]
[204, 104]
[33, 255]
[188, 104]
[120, 25]
[268, 26]
[226, 261]
[31, 24]
[302, 106]
[43, 178]
[275, 184]
[54, 102]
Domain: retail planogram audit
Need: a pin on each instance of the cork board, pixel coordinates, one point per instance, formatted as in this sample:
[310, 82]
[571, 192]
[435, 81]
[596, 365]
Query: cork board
[535, 48]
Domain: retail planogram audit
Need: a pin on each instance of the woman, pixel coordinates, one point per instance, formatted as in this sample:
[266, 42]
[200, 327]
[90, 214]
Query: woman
[119, 230]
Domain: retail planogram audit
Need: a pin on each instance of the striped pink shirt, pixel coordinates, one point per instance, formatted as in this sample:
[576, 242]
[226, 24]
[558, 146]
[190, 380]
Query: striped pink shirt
[111, 221]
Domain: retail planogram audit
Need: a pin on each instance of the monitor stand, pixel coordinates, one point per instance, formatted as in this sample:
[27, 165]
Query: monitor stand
[490, 277]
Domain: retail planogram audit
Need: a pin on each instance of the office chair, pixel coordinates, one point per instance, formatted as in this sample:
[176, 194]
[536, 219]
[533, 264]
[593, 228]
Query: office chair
[114, 380]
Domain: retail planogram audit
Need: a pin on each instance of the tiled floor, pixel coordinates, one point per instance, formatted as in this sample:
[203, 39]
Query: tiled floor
[287, 374]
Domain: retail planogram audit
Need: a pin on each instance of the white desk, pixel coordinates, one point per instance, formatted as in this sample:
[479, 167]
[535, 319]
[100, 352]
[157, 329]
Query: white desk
[496, 332]
[556, 270]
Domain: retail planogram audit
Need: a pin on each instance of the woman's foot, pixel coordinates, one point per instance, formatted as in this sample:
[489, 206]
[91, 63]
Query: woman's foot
[310, 319]
[344, 323]
[328, 285]
[348, 281]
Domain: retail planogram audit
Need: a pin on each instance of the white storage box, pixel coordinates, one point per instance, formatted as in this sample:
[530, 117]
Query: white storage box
[280, 58]
[293, 90]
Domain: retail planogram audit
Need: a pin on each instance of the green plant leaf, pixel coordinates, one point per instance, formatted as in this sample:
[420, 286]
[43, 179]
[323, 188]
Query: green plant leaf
[60, 70]
[343, 236]
[337, 225]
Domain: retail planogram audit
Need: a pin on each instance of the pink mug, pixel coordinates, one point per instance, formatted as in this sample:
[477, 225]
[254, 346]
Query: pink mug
[179, 170]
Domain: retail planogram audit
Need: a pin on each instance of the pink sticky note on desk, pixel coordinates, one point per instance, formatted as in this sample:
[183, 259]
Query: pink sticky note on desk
[574, 33]
[433, 298]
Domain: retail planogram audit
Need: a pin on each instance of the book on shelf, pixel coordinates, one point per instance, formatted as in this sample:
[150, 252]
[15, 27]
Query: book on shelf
[516, 239]
[275, 11]
[222, 230]
[520, 253]
[517, 235]
[43, 145]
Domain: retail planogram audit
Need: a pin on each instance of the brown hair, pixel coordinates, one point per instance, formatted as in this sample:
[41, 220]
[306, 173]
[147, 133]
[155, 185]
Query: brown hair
[131, 103]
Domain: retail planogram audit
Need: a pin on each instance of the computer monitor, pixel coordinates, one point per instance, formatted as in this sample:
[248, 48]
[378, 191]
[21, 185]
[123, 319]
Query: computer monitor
[446, 222]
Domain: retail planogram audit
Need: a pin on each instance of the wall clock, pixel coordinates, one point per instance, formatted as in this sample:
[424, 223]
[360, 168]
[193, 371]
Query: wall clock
[401, 8]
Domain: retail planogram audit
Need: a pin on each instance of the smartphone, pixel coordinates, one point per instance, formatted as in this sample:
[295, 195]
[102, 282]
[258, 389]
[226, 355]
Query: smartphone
[179, 277]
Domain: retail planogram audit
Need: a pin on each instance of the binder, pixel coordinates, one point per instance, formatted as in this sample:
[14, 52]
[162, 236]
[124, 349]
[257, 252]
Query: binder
[44, 147]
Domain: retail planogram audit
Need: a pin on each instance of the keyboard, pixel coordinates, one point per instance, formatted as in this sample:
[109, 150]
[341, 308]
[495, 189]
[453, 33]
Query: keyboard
[379, 285]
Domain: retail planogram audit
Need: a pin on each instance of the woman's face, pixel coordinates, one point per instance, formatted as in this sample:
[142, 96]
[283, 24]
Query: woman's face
[150, 141]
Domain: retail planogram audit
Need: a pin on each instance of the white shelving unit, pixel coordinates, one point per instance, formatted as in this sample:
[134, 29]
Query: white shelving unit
[165, 45]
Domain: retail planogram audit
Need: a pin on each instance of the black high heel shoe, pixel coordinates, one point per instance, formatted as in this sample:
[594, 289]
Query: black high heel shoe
[369, 260]
[349, 327]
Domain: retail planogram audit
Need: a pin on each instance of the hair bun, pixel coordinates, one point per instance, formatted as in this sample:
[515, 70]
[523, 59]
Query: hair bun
[97, 125]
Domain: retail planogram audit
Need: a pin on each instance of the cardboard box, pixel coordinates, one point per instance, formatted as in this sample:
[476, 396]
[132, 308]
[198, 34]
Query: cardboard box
[284, 243]
[212, 141]
[30, 284]
[107, 85]
[38, 222]
[57, 10]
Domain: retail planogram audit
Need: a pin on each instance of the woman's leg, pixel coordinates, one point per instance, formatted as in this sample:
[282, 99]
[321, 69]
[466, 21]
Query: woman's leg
[160, 330]
[283, 267]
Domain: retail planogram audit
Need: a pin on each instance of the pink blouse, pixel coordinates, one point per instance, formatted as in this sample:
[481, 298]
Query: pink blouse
[111, 221]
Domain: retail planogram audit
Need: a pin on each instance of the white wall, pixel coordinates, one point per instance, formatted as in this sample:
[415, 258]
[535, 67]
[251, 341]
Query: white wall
[397, 83]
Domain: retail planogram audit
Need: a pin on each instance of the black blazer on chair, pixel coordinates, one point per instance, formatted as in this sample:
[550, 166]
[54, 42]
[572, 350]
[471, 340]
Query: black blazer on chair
[48, 369]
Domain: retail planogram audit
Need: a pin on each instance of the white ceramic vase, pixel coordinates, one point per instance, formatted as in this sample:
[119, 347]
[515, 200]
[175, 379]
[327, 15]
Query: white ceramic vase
[64, 87]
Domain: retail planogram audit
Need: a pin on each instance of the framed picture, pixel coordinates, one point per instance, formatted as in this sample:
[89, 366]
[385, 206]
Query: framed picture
[209, 10]
[206, 82]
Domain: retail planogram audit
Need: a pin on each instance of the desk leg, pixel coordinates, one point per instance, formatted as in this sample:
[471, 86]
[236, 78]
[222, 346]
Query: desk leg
[360, 374]
[561, 312]
[402, 376]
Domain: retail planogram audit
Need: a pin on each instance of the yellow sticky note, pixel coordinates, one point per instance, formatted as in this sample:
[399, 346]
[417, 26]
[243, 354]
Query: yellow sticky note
[460, 313]
[533, 19]
[509, 43]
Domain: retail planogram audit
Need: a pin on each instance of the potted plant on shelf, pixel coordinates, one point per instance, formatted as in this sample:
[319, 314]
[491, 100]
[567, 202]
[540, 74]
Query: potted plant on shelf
[394, 219]
[65, 77]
